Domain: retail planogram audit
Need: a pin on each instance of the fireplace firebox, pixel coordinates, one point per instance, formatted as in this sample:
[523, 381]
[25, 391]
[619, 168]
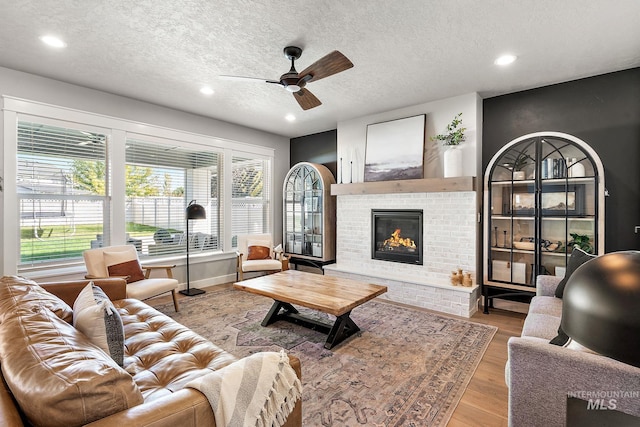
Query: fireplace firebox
[396, 235]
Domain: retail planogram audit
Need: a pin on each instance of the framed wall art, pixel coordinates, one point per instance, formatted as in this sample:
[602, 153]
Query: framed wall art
[395, 149]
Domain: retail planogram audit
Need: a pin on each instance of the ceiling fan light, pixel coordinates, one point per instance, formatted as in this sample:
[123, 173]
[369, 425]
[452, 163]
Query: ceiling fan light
[292, 88]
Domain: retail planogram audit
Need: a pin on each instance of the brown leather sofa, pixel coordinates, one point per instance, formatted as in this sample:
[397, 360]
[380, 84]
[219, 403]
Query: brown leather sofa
[53, 376]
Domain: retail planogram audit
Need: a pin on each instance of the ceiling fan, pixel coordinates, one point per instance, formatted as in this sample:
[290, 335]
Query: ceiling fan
[295, 82]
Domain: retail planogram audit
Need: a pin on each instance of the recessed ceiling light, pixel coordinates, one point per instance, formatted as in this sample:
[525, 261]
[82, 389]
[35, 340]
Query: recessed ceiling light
[290, 117]
[505, 60]
[53, 41]
[206, 90]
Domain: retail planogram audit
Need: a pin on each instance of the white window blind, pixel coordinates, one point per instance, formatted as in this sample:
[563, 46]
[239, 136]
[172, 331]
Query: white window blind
[161, 179]
[62, 192]
[251, 195]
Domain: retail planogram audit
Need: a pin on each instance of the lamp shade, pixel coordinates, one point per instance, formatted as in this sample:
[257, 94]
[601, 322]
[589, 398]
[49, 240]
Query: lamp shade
[195, 211]
[601, 306]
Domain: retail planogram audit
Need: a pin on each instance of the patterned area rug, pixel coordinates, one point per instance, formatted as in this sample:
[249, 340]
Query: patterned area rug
[405, 368]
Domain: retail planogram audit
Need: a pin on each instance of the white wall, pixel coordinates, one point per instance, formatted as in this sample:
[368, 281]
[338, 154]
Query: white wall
[352, 135]
[34, 88]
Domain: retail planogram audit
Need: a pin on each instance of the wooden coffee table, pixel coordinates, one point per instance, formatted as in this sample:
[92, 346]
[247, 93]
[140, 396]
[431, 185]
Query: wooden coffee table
[328, 294]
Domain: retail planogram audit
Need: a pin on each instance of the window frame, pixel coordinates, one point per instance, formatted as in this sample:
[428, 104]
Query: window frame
[15, 109]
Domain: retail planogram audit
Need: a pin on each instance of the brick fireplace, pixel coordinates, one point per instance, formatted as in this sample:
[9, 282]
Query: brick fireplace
[449, 230]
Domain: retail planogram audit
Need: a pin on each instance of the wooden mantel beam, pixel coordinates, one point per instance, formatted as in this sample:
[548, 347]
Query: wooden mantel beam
[428, 185]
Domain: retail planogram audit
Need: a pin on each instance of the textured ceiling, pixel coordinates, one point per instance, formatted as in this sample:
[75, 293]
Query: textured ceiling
[404, 53]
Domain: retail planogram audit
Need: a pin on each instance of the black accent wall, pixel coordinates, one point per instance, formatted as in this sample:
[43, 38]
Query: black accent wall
[603, 111]
[319, 148]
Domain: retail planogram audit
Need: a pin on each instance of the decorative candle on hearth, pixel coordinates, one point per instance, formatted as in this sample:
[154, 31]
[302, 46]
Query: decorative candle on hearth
[454, 278]
[467, 281]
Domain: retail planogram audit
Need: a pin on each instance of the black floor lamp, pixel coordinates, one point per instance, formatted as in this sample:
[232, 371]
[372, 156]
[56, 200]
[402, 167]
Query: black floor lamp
[194, 211]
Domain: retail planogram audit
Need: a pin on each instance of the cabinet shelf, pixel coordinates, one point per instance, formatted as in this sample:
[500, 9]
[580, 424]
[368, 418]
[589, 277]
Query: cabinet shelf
[544, 218]
[550, 181]
[513, 217]
[511, 286]
[527, 252]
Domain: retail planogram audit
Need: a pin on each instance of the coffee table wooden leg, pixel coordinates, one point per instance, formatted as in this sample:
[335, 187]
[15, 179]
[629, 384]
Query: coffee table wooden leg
[342, 329]
[273, 316]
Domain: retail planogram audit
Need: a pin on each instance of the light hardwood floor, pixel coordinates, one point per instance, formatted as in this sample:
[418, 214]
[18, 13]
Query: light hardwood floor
[484, 403]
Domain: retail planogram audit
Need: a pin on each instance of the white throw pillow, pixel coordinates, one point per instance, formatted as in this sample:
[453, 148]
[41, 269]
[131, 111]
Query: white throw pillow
[117, 257]
[96, 317]
[263, 242]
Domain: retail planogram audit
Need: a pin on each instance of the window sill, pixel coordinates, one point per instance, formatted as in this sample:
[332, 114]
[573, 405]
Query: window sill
[72, 272]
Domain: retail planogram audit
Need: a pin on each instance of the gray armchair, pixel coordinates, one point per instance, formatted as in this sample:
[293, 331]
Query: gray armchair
[541, 376]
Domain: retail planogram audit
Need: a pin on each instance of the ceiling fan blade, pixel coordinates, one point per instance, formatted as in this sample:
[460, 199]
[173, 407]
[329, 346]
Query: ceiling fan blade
[328, 65]
[249, 79]
[306, 99]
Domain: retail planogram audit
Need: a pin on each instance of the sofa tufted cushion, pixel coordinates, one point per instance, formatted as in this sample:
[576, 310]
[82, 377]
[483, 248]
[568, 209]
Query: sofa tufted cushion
[161, 354]
[56, 375]
[18, 294]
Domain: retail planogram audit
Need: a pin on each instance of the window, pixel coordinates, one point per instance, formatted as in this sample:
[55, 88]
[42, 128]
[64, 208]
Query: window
[85, 181]
[251, 209]
[62, 191]
[161, 179]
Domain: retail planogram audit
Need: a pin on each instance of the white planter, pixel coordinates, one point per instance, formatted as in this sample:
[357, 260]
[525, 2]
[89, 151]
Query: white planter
[452, 162]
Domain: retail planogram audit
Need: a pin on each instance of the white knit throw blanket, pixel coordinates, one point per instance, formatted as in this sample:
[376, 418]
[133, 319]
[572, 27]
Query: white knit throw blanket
[259, 390]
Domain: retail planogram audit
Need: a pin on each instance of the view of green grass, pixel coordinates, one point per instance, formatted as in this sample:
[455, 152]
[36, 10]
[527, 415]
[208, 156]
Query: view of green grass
[56, 241]
[62, 242]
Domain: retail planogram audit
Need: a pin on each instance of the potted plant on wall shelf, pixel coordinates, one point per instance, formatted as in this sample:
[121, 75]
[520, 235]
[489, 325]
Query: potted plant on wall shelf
[451, 139]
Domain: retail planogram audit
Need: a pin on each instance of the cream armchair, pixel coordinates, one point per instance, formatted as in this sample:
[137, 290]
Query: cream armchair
[122, 261]
[256, 254]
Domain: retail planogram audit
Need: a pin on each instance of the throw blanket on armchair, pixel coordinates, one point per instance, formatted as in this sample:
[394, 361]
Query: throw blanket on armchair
[259, 390]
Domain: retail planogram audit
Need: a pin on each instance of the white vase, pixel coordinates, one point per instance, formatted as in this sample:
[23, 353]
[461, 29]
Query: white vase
[452, 162]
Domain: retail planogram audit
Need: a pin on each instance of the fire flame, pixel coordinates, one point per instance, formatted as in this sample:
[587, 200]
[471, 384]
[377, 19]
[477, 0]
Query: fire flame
[396, 241]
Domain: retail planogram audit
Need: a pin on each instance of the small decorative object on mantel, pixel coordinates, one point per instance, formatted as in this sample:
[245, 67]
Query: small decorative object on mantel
[451, 139]
[455, 280]
[467, 280]
[460, 278]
